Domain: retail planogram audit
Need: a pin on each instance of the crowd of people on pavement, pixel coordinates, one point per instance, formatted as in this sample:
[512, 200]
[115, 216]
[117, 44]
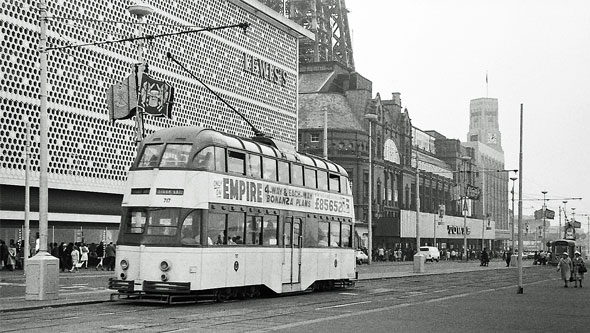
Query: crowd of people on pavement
[72, 256]
[398, 254]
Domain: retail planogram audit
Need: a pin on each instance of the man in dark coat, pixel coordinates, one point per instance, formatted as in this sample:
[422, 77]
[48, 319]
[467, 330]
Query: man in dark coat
[109, 253]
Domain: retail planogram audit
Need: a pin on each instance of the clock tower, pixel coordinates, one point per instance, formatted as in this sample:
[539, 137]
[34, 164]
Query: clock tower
[483, 123]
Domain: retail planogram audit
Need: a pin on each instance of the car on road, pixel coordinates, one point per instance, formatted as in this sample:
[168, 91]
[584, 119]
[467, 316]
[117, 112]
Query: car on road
[361, 257]
[430, 252]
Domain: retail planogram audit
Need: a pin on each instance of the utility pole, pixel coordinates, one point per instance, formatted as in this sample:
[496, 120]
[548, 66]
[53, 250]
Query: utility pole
[370, 117]
[544, 213]
[520, 289]
[42, 278]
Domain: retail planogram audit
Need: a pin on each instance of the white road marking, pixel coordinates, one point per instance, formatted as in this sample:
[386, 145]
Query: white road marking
[12, 284]
[342, 305]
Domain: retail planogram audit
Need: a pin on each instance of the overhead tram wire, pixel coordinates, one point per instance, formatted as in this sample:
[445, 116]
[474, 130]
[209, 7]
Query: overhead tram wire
[243, 26]
[256, 131]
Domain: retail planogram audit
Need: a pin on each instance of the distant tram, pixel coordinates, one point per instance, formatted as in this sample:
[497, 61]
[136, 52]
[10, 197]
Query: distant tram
[207, 214]
[558, 247]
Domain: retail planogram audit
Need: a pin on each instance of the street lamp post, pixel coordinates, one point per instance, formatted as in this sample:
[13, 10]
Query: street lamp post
[325, 109]
[370, 117]
[483, 208]
[544, 212]
[564, 220]
[140, 11]
[512, 192]
[464, 205]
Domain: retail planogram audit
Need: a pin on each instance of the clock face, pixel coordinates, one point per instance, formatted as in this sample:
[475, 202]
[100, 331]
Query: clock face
[492, 138]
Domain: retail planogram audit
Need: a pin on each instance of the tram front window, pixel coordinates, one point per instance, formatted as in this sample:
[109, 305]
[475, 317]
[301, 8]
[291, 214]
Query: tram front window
[163, 221]
[175, 156]
[150, 156]
[136, 221]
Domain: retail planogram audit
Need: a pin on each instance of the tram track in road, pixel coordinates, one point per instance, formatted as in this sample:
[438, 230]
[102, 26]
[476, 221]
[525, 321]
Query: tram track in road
[259, 314]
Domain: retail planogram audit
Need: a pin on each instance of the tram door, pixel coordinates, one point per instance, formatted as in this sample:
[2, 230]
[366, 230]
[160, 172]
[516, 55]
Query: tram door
[292, 247]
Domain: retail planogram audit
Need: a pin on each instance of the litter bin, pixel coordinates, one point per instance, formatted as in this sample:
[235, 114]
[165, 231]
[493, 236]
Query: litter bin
[419, 262]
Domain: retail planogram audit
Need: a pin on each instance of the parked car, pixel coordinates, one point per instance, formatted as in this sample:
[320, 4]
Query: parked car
[430, 252]
[361, 257]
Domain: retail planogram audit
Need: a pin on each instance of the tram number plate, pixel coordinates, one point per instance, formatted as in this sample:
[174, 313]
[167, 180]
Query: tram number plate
[167, 200]
[330, 205]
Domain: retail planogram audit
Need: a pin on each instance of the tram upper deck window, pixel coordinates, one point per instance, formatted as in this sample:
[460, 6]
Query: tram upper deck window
[322, 180]
[163, 222]
[205, 159]
[136, 221]
[283, 172]
[310, 177]
[150, 156]
[175, 156]
[334, 182]
[269, 168]
[236, 162]
[254, 166]
[296, 174]
[344, 185]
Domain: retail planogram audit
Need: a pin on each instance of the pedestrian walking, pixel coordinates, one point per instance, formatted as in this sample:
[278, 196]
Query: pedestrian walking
[100, 256]
[508, 257]
[565, 266]
[84, 255]
[3, 255]
[110, 253]
[67, 254]
[579, 269]
[75, 259]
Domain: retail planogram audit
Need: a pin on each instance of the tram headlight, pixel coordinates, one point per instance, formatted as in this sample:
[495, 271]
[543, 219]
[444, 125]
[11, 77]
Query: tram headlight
[164, 266]
[164, 277]
[124, 264]
[123, 276]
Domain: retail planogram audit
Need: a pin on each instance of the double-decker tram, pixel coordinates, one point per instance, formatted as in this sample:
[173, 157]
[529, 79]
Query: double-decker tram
[207, 214]
[558, 247]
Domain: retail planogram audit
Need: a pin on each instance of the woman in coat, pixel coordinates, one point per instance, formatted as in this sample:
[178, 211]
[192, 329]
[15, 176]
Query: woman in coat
[578, 263]
[565, 266]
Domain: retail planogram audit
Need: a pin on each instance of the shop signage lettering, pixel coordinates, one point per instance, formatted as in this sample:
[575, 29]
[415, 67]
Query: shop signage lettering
[265, 70]
[455, 230]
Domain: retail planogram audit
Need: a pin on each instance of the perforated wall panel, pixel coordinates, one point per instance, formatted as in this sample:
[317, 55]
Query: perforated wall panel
[87, 151]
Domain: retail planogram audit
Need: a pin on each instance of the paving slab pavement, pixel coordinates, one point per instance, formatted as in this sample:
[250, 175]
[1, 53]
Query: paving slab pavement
[377, 270]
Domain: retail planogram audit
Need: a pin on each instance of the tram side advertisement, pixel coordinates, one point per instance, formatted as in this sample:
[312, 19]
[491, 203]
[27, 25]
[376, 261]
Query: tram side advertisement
[234, 190]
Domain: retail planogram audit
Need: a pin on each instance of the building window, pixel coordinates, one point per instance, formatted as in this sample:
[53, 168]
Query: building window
[315, 137]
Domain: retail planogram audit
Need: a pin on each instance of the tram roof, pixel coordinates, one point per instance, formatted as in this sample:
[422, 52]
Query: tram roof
[265, 146]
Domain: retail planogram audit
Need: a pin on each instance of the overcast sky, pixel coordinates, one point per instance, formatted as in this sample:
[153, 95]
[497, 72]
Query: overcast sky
[436, 53]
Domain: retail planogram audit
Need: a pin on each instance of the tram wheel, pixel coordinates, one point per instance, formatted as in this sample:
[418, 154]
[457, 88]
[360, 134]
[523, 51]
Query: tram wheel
[222, 295]
[251, 292]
